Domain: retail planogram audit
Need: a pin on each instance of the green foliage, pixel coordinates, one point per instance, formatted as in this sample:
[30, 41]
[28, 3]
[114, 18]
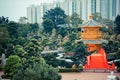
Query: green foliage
[12, 65]
[4, 36]
[23, 29]
[68, 47]
[33, 48]
[70, 44]
[45, 42]
[31, 61]
[103, 29]
[108, 24]
[97, 17]
[13, 29]
[62, 31]
[27, 29]
[20, 51]
[34, 27]
[57, 15]
[9, 49]
[23, 20]
[73, 37]
[111, 47]
[51, 59]
[70, 69]
[117, 78]
[75, 20]
[80, 53]
[36, 69]
[118, 69]
[48, 25]
[117, 25]
[80, 49]
[67, 20]
[4, 20]
[21, 40]
[27, 41]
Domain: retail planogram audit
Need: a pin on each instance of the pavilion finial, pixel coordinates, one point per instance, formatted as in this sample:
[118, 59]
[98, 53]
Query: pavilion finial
[91, 17]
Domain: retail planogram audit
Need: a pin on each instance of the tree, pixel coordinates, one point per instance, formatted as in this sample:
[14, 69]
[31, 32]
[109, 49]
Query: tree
[4, 20]
[53, 35]
[68, 47]
[12, 64]
[4, 38]
[111, 46]
[24, 29]
[75, 20]
[62, 31]
[33, 48]
[23, 20]
[68, 23]
[20, 51]
[51, 59]
[73, 37]
[53, 39]
[117, 25]
[34, 27]
[80, 53]
[108, 24]
[47, 25]
[57, 15]
[21, 40]
[35, 68]
[67, 20]
[4, 35]
[9, 50]
[13, 29]
[45, 42]
[97, 17]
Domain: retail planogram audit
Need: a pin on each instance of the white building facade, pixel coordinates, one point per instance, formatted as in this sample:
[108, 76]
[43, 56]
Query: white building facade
[108, 9]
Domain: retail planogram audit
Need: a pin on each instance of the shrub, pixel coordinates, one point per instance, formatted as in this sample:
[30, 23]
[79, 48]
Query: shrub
[70, 70]
[12, 64]
[118, 69]
[1, 68]
[37, 70]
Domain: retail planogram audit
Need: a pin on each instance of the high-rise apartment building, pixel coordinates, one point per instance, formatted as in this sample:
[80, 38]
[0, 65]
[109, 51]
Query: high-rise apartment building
[31, 14]
[103, 8]
[115, 8]
[112, 9]
[118, 6]
[35, 13]
[93, 6]
[108, 9]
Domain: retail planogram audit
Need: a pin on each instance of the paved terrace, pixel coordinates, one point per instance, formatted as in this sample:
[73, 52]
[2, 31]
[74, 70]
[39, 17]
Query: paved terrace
[86, 76]
[83, 76]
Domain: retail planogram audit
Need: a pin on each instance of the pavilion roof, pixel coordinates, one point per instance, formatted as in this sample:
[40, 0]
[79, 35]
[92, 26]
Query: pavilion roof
[91, 23]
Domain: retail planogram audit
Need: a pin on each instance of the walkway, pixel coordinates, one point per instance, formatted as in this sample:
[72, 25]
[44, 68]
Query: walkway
[86, 76]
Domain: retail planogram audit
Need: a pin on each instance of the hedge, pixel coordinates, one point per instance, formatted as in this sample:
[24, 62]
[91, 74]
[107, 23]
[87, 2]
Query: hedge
[118, 69]
[70, 70]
